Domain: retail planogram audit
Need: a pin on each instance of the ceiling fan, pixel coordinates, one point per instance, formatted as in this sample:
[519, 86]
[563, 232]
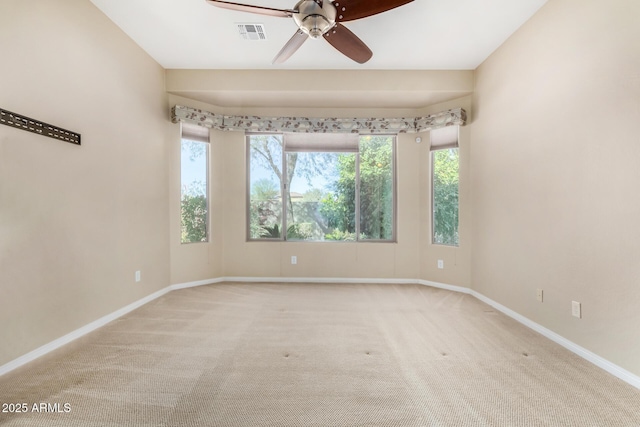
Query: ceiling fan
[322, 18]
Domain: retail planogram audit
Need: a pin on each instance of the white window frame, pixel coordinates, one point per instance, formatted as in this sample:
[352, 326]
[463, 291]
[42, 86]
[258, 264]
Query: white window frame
[357, 221]
[199, 134]
[446, 138]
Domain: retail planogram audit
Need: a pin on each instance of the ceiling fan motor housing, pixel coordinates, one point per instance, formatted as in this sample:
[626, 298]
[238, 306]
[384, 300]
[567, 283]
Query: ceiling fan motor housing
[314, 19]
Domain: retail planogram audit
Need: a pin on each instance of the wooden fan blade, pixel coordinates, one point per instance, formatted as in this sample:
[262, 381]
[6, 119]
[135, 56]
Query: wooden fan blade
[350, 10]
[348, 43]
[290, 48]
[282, 13]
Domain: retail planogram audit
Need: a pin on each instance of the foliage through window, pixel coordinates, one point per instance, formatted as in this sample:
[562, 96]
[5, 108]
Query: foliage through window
[194, 201]
[445, 167]
[321, 187]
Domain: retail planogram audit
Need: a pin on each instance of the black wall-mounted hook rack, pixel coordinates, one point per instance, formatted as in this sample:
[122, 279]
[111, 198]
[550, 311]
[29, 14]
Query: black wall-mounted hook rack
[36, 126]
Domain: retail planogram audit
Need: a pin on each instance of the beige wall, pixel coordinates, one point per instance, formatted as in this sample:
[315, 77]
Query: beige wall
[548, 181]
[77, 222]
[228, 254]
[349, 260]
[196, 261]
[365, 90]
[555, 152]
[457, 260]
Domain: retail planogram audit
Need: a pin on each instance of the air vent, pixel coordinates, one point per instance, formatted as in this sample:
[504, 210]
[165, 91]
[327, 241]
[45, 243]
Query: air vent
[252, 31]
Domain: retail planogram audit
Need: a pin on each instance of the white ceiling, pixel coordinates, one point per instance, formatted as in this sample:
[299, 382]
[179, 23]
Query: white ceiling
[422, 35]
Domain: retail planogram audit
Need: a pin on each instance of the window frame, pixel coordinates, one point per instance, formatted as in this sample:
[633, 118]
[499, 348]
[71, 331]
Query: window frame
[207, 154]
[433, 205]
[247, 156]
[357, 220]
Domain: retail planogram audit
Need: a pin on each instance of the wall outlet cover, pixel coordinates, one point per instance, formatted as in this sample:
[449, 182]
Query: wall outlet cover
[576, 309]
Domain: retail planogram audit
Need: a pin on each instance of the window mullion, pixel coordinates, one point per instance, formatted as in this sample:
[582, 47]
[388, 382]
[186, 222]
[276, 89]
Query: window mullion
[433, 197]
[357, 207]
[283, 190]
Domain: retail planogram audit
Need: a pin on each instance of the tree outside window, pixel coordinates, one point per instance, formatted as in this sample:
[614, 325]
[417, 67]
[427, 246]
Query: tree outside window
[345, 195]
[445, 167]
[194, 201]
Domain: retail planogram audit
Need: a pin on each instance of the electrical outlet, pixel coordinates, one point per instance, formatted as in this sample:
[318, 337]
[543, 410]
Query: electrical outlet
[138, 276]
[440, 263]
[576, 309]
[294, 259]
[539, 294]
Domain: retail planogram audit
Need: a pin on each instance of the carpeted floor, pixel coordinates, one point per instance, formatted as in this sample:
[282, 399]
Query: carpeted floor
[316, 355]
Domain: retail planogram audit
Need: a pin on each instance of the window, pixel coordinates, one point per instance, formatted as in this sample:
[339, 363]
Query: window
[445, 177]
[194, 166]
[321, 187]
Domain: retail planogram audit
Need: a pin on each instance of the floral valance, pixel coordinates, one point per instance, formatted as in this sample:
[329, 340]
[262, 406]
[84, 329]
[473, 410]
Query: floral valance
[456, 116]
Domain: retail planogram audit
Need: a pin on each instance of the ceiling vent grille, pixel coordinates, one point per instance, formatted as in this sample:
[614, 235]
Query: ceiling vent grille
[252, 31]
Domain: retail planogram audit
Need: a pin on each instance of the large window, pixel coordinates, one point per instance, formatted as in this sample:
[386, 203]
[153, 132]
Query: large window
[321, 187]
[445, 178]
[194, 184]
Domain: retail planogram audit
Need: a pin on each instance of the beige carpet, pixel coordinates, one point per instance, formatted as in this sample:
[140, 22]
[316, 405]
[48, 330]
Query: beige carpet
[317, 355]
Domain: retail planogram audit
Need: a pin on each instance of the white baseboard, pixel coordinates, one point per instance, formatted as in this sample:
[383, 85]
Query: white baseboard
[66, 339]
[453, 288]
[239, 279]
[602, 363]
[317, 280]
[196, 283]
